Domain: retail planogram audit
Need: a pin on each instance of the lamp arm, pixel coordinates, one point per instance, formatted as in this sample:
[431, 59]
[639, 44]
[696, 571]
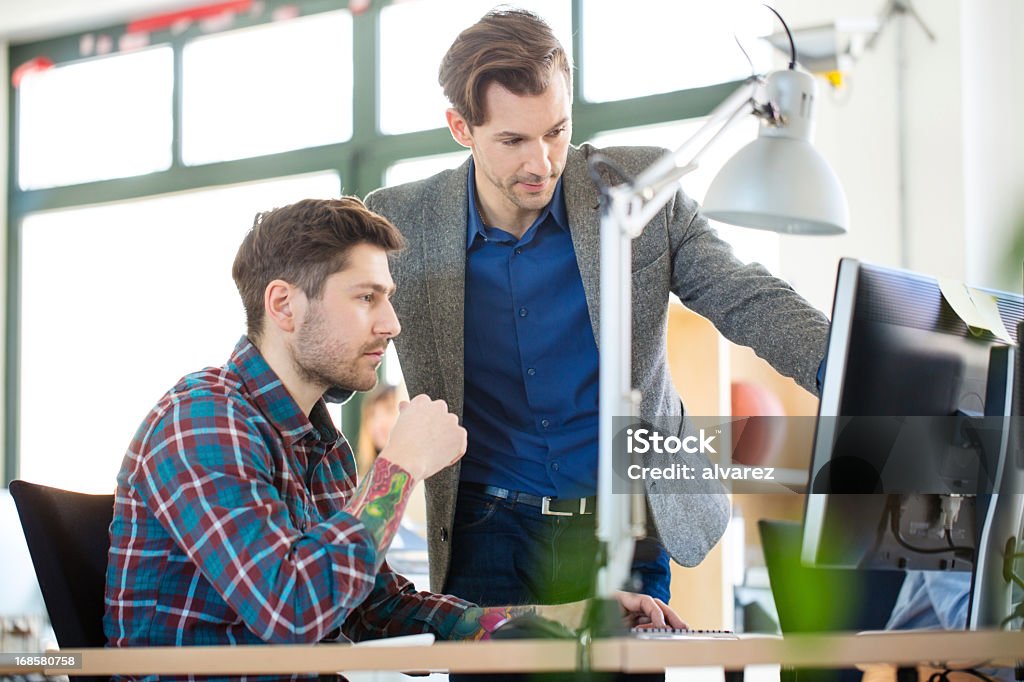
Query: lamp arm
[666, 171]
[627, 208]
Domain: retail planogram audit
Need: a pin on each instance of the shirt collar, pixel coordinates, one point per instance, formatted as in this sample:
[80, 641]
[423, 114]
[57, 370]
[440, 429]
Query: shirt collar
[475, 226]
[267, 391]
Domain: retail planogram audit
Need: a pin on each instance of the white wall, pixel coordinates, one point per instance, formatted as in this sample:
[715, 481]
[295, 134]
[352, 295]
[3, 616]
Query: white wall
[993, 143]
[865, 161]
[963, 154]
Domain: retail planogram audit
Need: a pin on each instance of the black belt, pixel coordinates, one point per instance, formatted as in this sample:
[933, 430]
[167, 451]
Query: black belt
[549, 506]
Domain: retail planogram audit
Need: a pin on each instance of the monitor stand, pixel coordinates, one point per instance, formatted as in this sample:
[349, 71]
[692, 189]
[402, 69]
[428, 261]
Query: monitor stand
[992, 586]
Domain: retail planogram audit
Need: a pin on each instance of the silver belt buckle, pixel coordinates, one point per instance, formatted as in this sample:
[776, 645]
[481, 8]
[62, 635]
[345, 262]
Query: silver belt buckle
[583, 507]
[545, 508]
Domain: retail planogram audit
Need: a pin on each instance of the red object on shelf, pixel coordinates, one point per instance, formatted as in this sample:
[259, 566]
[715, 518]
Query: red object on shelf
[159, 22]
[358, 6]
[759, 437]
[31, 66]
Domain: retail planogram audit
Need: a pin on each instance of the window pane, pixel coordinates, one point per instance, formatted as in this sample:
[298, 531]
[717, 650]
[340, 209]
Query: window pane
[423, 167]
[20, 595]
[392, 368]
[750, 245]
[120, 301]
[653, 46]
[97, 119]
[268, 89]
[411, 98]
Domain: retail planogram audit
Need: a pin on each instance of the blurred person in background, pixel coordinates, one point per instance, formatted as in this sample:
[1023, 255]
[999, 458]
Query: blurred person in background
[378, 415]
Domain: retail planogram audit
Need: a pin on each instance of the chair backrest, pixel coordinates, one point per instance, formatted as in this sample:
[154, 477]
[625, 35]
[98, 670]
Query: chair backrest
[823, 599]
[813, 600]
[67, 536]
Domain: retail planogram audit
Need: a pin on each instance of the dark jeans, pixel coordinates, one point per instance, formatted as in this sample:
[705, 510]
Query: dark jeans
[509, 553]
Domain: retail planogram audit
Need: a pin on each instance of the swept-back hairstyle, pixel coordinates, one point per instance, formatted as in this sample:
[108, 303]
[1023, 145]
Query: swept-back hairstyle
[512, 47]
[303, 244]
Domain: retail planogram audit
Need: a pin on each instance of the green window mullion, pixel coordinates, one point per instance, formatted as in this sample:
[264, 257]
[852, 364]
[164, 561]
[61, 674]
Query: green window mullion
[177, 102]
[11, 352]
[363, 175]
[12, 294]
[592, 118]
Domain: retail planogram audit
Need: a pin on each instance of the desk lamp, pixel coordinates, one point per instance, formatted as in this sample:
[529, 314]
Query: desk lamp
[778, 182]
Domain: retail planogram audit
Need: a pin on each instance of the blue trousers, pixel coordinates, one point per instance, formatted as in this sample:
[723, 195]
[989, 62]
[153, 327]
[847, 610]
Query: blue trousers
[509, 553]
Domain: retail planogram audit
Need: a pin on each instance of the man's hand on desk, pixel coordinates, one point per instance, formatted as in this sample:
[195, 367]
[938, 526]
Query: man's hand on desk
[637, 610]
[644, 610]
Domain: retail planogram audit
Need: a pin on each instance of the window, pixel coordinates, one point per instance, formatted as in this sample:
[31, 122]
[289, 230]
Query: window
[118, 302]
[105, 274]
[271, 88]
[95, 119]
[411, 98]
[646, 47]
[423, 167]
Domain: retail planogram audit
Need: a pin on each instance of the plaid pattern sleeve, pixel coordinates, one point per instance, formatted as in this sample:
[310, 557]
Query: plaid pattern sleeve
[396, 608]
[209, 481]
[236, 521]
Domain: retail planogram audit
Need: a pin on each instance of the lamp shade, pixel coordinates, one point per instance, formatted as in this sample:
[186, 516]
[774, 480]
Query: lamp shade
[779, 182]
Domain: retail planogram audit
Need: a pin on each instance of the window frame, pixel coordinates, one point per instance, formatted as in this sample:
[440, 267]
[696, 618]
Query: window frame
[360, 161]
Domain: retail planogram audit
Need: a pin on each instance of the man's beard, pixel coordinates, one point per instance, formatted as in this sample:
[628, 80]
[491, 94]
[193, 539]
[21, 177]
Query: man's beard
[524, 201]
[322, 362]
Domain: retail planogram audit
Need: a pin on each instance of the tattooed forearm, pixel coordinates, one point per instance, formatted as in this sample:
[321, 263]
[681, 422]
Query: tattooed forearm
[479, 622]
[380, 500]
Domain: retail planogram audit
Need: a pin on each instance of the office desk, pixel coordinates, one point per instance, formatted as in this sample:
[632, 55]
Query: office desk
[506, 656]
[821, 651]
[625, 654]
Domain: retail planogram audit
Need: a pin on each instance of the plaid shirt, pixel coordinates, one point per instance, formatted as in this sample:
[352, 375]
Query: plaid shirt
[231, 526]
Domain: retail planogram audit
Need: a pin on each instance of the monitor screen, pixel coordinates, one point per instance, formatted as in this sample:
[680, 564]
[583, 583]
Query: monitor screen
[910, 431]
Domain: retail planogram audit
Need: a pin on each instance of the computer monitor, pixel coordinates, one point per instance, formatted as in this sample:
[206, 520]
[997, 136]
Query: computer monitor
[911, 435]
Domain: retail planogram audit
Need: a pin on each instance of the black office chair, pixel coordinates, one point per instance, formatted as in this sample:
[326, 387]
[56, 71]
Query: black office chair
[67, 537]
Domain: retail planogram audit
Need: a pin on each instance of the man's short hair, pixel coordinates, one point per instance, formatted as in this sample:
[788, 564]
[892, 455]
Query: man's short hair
[303, 244]
[512, 47]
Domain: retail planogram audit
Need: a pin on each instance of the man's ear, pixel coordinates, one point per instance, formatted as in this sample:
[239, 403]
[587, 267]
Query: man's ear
[459, 128]
[283, 304]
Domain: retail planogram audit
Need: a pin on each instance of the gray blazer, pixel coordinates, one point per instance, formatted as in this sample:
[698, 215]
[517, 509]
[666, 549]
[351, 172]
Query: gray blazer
[677, 252]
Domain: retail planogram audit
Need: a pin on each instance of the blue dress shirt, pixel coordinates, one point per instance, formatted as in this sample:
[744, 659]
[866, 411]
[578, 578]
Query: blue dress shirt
[531, 365]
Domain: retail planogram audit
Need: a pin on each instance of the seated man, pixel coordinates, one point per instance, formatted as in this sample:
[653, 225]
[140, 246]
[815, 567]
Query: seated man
[237, 518]
[932, 600]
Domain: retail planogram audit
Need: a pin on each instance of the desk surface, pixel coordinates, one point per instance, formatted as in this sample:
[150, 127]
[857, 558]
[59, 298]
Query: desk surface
[832, 650]
[626, 654]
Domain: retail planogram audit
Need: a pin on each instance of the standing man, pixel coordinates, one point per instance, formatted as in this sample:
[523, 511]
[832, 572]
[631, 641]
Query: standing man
[499, 297]
[237, 518]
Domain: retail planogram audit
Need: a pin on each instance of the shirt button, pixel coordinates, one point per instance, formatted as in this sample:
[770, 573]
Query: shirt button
[554, 466]
[518, 251]
[523, 312]
[444, 535]
[544, 423]
[531, 371]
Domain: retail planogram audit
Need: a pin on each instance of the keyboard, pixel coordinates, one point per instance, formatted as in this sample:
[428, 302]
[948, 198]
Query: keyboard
[674, 633]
